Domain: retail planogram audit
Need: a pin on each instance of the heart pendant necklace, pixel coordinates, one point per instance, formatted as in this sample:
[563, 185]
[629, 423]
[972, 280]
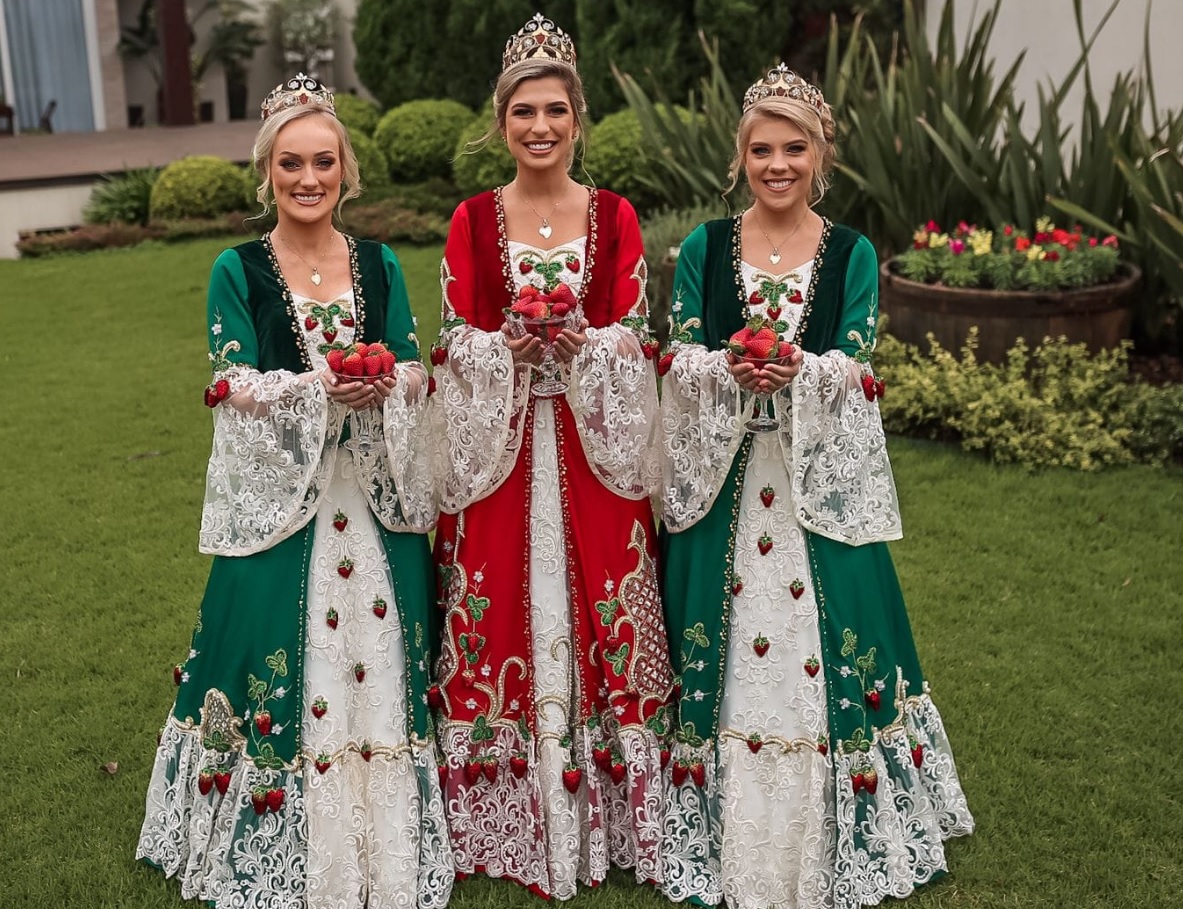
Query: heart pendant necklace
[544, 229]
[315, 278]
[774, 257]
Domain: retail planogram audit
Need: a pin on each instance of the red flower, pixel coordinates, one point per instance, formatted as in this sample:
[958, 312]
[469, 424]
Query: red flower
[1111, 240]
[933, 227]
[1052, 256]
[1061, 236]
[1022, 244]
[1008, 230]
[1092, 241]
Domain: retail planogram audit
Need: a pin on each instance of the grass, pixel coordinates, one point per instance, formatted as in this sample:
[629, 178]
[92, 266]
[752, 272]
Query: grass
[1046, 610]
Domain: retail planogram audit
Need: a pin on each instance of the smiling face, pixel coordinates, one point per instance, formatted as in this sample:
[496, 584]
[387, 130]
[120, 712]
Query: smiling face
[306, 170]
[540, 128]
[780, 162]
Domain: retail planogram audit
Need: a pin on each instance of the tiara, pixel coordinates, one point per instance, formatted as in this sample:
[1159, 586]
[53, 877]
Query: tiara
[297, 91]
[539, 39]
[782, 82]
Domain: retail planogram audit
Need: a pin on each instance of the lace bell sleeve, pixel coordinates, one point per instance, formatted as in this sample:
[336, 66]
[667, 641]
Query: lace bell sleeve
[842, 483]
[613, 389]
[274, 432]
[702, 408]
[481, 396]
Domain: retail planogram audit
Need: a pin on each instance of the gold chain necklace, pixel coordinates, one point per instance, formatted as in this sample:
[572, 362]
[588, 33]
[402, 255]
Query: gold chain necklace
[545, 229]
[316, 279]
[774, 257]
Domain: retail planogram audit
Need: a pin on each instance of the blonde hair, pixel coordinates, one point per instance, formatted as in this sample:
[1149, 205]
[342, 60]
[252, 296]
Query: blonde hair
[818, 129]
[351, 185]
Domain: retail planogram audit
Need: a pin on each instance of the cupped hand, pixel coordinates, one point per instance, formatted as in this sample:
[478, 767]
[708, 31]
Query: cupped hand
[569, 342]
[354, 394]
[526, 349]
[769, 378]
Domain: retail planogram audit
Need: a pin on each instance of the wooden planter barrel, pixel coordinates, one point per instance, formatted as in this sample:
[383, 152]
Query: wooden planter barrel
[1099, 316]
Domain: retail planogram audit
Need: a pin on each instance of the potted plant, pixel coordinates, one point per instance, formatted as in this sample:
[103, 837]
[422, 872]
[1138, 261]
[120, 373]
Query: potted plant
[1010, 283]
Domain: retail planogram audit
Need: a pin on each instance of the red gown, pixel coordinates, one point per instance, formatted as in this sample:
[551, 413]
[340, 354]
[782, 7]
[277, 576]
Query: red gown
[554, 677]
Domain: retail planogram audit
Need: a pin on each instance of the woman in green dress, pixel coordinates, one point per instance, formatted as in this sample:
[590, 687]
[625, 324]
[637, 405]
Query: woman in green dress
[810, 767]
[297, 766]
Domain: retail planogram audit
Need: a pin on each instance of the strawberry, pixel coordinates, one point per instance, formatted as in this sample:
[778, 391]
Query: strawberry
[917, 754]
[359, 672]
[812, 666]
[573, 264]
[880, 387]
[323, 763]
[679, 773]
[435, 697]
[372, 364]
[345, 568]
[760, 645]
[222, 781]
[331, 619]
[310, 323]
[764, 544]
[259, 799]
[762, 347]
[870, 780]
[518, 765]
[472, 772]
[366, 750]
[737, 349]
[347, 321]
[856, 781]
[755, 743]
[533, 308]
[438, 355]
[178, 674]
[528, 290]
[873, 699]
[205, 781]
[469, 678]
[796, 588]
[330, 335]
[795, 296]
[263, 722]
[773, 312]
[560, 309]
[210, 397]
[572, 777]
[562, 294]
[650, 349]
[617, 771]
[274, 800]
[822, 747]
[379, 607]
[335, 358]
[361, 348]
[340, 521]
[767, 494]
[490, 769]
[868, 383]
[744, 335]
[665, 758]
[430, 386]
[755, 299]
[736, 587]
[525, 268]
[664, 364]
[320, 707]
[217, 392]
[785, 349]
[698, 773]
[602, 755]
[353, 365]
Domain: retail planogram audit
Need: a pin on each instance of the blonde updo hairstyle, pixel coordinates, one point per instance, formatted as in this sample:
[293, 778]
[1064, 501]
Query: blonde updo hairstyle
[265, 139]
[818, 129]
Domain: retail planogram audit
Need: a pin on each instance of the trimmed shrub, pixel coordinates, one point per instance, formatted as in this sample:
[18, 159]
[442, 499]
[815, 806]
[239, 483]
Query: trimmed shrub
[388, 222]
[619, 159]
[475, 170]
[358, 114]
[375, 179]
[200, 186]
[122, 198]
[419, 137]
[432, 197]
[663, 235]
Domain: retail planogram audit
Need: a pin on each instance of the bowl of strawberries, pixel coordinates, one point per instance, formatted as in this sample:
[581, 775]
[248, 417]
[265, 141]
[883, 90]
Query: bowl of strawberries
[761, 345]
[361, 362]
[543, 314]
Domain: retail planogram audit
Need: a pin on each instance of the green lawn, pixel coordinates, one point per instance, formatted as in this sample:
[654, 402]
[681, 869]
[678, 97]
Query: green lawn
[1047, 610]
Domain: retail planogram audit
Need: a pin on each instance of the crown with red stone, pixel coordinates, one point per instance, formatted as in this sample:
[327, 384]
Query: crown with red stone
[297, 92]
[782, 82]
[539, 39]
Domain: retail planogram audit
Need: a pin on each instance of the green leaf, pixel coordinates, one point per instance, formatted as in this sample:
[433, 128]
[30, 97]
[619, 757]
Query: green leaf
[867, 661]
[255, 688]
[278, 662]
[481, 730]
[849, 642]
[607, 610]
[267, 759]
[477, 606]
[618, 658]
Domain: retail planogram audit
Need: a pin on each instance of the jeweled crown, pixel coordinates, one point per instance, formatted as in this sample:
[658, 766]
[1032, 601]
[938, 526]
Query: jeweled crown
[296, 92]
[539, 39]
[782, 82]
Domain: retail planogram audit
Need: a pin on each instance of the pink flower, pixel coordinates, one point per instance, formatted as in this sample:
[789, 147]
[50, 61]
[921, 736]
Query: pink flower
[957, 247]
[1110, 241]
[933, 227]
[1092, 241]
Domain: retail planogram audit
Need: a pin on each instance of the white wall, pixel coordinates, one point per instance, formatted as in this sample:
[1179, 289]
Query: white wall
[1047, 30]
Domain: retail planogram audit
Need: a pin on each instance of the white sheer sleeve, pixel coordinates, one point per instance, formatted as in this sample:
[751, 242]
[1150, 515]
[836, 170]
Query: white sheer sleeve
[272, 457]
[702, 415]
[613, 394]
[836, 453]
[481, 403]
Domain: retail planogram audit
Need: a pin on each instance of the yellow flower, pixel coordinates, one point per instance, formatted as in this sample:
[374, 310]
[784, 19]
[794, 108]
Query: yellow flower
[1044, 225]
[920, 238]
[936, 241]
[981, 242]
[1035, 252]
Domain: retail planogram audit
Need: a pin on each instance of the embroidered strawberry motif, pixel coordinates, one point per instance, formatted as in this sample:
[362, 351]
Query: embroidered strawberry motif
[345, 568]
[489, 766]
[379, 607]
[274, 800]
[347, 321]
[205, 780]
[822, 747]
[764, 544]
[518, 765]
[812, 666]
[856, 781]
[760, 645]
[572, 264]
[797, 588]
[664, 364]
[359, 672]
[755, 743]
[216, 392]
[617, 771]
[795, 296]
[679, 773]
[472, 771]
[263, 722]
[736, 587]
[178, 674]
[917, 753]
[602, 756]
[366, 750]
[469, 678]
[435, 698]
[259, 799]
[525, 267]
[310, 323]
[873, 699]
[870, 780]
[331, 619]
[665, 758]
[755, 299]
[773, 312]
[320, 707]
[698, 773]
[439, 355]
[873, 388]
[222, 780]
[650, 349]
[330, 335]
[767, 494]
[572, 777]
[340, 522]
[322, 762]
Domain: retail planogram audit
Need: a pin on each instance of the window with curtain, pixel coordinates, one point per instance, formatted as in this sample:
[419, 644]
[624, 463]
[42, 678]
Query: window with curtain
[47, 48]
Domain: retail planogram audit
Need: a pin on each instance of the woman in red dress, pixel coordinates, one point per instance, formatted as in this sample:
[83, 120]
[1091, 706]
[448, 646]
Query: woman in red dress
[554, 675]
